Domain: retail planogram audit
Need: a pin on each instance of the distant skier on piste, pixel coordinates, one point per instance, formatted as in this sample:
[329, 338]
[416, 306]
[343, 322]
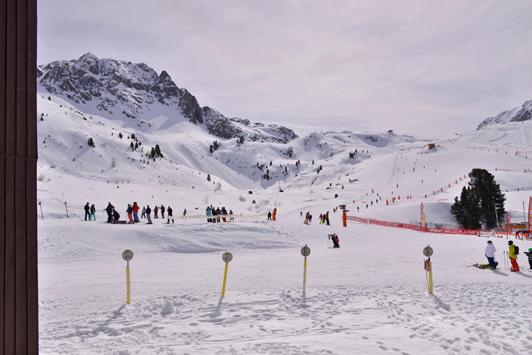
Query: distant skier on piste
[129, 211]
[136, 209]
[490, 255]
[109, 209]
[148, 214]
[93, 212]
[513, 251]
[170, 215]
[87, 209]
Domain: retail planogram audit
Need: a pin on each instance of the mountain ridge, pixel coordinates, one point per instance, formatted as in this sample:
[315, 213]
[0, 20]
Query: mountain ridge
[134, 91]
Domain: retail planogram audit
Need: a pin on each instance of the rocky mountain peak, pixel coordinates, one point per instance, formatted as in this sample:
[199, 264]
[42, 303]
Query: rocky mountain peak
[124, 90]
[517, 114]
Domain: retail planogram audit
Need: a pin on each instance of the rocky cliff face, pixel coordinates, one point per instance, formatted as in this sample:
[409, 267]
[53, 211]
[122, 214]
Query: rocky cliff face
[517, 114]
[125, 90]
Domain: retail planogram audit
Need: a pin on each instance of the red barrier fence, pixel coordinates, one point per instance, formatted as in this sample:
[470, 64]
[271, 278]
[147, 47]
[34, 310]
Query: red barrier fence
[415, 227]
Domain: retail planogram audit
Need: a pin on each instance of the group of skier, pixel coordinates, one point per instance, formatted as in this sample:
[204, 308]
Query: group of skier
[324, 218]
[513, 252]
[217, 214]
[132, 212]
[90, 212]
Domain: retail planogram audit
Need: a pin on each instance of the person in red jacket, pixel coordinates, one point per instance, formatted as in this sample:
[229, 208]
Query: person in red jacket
[136, 209]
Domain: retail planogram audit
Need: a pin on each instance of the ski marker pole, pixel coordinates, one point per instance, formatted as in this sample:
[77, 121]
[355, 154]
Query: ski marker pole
[226, 257]
[127, 255]
[305, 251]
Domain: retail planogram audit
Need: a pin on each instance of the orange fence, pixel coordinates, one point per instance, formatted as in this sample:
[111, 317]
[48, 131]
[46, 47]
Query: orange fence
[415, 227]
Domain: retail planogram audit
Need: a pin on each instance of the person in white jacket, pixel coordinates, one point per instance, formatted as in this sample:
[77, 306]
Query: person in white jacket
[490, 255]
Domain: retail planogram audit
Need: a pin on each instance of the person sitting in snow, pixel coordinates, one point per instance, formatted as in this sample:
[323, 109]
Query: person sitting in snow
[336, 241]
[116, 216]
[490, 255]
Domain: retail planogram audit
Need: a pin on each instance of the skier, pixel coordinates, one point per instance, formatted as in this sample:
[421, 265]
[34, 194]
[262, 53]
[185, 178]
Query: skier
[513, 251]
[109, 209]
[129, 212]
[143, 215]
[269, 216]
[156, 212]
[87, 212]
[162, 211]
[93, 212]
[490, 255]
[529, 254]
[336, 241]
[231, 216]
[326, 217]
[224, 214]
[170, 216]
[185, 212]
[136, 209]
[148, 214]
[208, 213]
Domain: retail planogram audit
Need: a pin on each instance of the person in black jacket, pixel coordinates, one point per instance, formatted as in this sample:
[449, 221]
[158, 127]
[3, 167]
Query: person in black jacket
[116, 216]
[93, 212]
[170, 215]
[148, 214]
[109, 209]
[162, 211]
[87, 209]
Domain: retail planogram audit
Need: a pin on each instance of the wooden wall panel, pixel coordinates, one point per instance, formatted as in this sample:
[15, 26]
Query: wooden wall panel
[18, 178]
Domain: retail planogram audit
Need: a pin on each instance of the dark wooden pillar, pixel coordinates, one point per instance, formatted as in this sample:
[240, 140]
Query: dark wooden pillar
[18, 188]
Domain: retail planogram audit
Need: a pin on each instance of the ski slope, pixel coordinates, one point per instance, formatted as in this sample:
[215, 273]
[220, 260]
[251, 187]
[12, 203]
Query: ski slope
[369, 296]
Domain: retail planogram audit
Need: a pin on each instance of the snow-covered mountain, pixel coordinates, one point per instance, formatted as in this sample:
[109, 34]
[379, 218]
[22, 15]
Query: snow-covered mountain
[517, 114]
[142, 98]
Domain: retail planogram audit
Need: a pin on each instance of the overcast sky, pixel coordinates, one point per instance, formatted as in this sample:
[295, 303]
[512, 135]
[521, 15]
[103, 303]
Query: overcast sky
[427, 68]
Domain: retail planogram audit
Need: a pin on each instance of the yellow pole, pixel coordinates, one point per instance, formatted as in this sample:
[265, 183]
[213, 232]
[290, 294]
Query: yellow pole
[225, 278]
[429, 277]
[128, 285]
[305, 276]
